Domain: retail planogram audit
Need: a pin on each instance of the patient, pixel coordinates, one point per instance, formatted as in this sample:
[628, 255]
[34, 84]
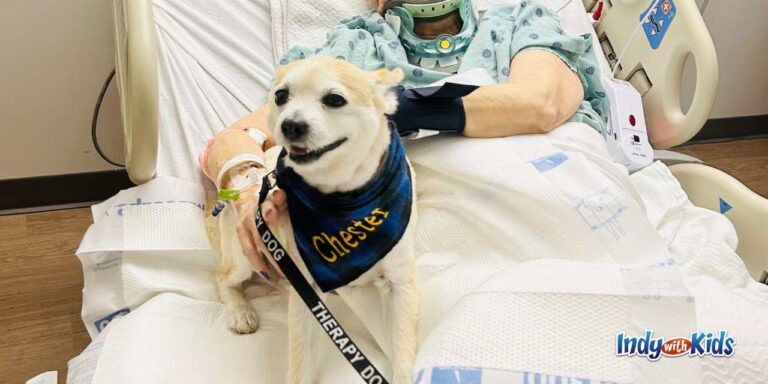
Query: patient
[543, 79]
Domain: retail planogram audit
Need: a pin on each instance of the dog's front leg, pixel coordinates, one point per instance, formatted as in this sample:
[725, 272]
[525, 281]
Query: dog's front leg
[233, 269]
[239, 315]
[402, 301]
[297, 332]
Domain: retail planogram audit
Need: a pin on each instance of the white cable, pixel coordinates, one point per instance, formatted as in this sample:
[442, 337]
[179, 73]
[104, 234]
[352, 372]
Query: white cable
[564, 5]
[632, 36]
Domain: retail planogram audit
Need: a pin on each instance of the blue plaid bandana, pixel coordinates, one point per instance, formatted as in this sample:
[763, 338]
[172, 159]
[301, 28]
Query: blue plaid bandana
[342, 235]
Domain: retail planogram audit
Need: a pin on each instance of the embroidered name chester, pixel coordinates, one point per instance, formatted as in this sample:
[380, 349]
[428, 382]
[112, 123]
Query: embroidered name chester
[331, 248]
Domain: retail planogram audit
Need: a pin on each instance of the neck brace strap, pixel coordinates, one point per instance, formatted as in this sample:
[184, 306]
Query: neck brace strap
[426, 8]
[444, 46]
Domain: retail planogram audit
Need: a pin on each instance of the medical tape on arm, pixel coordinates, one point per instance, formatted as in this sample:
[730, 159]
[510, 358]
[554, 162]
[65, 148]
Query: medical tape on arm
[257, 135]
[240, 180]
[239, 160]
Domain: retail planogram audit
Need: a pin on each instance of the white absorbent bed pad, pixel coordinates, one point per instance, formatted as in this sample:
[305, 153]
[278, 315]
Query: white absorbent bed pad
[533, 253]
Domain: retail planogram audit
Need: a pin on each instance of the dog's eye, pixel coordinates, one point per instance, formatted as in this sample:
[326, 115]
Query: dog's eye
[281, 97]
[334, 101]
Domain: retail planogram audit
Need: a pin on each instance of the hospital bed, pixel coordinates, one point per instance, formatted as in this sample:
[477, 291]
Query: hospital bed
[174, 57]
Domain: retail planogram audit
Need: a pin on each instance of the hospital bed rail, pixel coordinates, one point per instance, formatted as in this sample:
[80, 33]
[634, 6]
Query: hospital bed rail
[656, 70]
[137, 82]
[657, 74]
[714, 189]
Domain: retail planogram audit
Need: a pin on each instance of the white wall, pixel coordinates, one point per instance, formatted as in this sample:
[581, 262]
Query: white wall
[739, 29]
[54, 56]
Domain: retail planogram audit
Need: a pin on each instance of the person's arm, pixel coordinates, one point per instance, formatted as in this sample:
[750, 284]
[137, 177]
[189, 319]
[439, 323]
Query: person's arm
[541, 93]
[238, 141]
[234, 141]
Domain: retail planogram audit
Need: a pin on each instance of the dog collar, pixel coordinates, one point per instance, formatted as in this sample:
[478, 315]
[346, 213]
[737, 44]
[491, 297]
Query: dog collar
[342, 235]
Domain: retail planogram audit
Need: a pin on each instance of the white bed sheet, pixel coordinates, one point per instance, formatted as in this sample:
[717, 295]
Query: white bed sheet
[515, 282]
[217, 59]
[215, 65]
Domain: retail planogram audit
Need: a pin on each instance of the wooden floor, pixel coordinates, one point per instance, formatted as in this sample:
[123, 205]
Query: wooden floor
[40, 293]
[41, 279]
[746, 160]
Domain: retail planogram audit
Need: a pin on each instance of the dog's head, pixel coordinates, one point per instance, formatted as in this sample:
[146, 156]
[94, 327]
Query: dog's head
[325, 111]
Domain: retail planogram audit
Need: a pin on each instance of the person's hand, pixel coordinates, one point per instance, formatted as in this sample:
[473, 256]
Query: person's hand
[438, 108]
[248, 136]
[273, 210]
[380, 7]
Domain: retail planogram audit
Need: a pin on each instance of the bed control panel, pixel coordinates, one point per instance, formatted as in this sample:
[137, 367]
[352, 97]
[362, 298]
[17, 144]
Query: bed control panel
[627, 136]
[658, 22]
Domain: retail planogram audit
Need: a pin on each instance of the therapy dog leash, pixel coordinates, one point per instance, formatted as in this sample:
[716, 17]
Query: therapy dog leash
[320, 311]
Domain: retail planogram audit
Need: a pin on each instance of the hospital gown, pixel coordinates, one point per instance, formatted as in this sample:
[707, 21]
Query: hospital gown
[370, 43]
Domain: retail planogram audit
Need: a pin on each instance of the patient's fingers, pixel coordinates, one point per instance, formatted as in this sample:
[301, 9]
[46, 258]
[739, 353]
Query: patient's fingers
[249, 222]
[280, 200]
[265, 254]
[262, 249]
[248, 245]
[269, 211]
[270, 142]
[380, 7]
[274, 206]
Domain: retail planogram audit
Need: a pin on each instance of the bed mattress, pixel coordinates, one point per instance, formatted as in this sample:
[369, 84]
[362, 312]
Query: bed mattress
[529, 263]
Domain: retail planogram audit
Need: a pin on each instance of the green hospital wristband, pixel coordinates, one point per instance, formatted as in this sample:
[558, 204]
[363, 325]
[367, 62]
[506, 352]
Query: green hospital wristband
[229, 194]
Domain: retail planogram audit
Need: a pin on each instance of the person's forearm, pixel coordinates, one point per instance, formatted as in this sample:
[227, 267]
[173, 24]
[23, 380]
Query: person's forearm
[238, 141]
[541, 93]
[505, 109]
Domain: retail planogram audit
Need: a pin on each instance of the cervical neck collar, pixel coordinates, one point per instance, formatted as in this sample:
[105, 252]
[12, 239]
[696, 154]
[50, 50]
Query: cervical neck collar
[425, 8]
[342, 235]
[445, 48]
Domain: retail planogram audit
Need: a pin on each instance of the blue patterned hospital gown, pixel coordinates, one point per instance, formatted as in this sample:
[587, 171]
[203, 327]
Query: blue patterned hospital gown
[370, 43]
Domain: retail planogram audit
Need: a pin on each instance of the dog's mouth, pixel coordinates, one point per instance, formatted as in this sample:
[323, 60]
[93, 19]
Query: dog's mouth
[301, 155]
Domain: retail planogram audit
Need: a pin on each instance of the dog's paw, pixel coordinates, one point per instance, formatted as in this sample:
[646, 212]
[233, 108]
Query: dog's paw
[242, 321]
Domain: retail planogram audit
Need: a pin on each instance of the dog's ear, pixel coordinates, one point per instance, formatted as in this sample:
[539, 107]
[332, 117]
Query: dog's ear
[388, 78]
[283, 69]
[383, 82]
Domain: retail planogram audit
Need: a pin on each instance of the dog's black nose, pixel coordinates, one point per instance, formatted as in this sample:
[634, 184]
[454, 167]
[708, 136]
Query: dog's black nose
[293, 129]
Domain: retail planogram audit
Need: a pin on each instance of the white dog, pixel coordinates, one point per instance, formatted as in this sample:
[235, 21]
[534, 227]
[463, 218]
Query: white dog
[330, 116]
